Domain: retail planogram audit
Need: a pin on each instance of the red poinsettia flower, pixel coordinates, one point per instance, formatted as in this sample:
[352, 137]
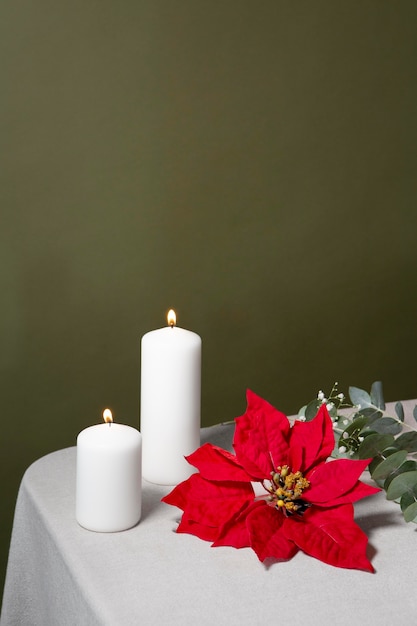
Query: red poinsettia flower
[304, 501]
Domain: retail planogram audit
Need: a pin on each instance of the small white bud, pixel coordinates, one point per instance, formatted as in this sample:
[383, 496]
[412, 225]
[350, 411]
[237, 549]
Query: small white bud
[345, 435]
[341, 396]
[342, 449]
[329, 406]
[320, 395]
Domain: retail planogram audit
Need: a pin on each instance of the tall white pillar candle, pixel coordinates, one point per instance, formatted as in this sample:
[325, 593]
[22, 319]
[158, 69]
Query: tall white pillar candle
[109, 481]
[170, 402]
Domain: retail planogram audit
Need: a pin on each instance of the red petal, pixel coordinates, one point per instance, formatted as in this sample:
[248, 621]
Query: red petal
[331, 536]
[311, 442]
[209, 503]
[261, 437]
[329, 481]
[179, 495]
[208, 533]
[267, 539]
[215, 463]
[235, 532]
[359, 491]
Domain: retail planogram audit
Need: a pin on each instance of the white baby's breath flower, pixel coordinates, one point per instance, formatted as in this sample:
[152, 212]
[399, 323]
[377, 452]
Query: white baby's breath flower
[345, 435]
[329, 406]
[320, 395]
[342, 449]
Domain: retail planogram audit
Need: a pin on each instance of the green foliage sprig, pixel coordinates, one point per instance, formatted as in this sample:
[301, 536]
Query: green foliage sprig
[363, 429]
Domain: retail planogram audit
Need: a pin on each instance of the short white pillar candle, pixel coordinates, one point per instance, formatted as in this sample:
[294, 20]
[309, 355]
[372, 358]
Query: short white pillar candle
[108, 476]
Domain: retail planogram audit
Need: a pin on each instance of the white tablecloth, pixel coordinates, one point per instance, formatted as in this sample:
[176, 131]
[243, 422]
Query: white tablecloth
[61, 574]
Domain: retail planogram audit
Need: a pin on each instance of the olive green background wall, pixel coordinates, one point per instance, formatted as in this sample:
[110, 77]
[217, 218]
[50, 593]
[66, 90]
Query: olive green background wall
[251, 164]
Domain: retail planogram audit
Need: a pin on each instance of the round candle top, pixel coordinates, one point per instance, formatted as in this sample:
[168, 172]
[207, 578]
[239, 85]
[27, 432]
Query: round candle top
[172, 336]
[109, 434]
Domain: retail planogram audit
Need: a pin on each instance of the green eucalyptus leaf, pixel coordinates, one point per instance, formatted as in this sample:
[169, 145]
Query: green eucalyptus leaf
[302, 411]
[390, 450]
[410, 513]
[399, 409]
[374, 445]
[407, 466]
[407, 441]
[311, 409]
[408, 505]
[359, 397]
[374, 464]
[385, 425]
[401, 484]
[371, 412]
[377, 460]
[390, 464]
[406, 499]
[377, 396]
[415, 413]
[357, 425]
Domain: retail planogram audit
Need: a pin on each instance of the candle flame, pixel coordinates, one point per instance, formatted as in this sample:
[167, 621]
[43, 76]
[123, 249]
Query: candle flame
[107, 416]
[172, 318]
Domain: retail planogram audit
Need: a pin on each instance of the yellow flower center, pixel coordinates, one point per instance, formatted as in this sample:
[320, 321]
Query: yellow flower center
[286, 489]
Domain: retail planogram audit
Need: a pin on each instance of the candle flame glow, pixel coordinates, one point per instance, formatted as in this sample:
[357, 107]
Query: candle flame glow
[172, 318]
[107, 416]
